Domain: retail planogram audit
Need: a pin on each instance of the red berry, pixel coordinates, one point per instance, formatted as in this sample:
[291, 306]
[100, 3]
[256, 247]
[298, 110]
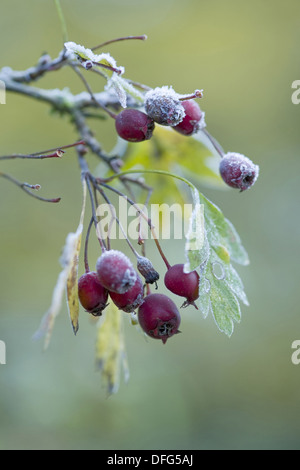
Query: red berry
[115, 271]
[130, 300]
[193, 120]
[183, 284]
[238, 171]
[163, 106]
[92, 295]
[159, 317]
[134, 125]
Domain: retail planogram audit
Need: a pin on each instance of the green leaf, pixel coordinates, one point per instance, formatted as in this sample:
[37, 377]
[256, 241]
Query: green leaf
[235, 283]
[203, 302]
[222, 233]
[219, 291]
[220, 285]
[224, 304]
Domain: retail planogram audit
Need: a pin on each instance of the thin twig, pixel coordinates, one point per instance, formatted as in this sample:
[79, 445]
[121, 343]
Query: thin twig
[114, 216]
[125, 38]
[89, 89]
[62, 20]
[26, 187]
[58, 152]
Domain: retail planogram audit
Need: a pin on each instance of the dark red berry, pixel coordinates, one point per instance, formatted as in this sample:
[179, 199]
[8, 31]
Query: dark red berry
[130, 300]
[115, 271]
[193, 120]
[147, 270]
[238, 171]
[163, 106]
[134, 125]
[183, 284]
[159, 317]
[92, 295]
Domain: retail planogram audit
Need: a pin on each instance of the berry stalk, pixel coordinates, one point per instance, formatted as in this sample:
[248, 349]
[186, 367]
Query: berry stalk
[196, 94]
[151, 227]
[86, 262]
[214, 142]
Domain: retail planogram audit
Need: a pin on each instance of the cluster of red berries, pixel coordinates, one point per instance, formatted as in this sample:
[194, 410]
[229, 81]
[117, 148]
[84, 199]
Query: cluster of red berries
[116, 277]
[165, 107]
[162, 106]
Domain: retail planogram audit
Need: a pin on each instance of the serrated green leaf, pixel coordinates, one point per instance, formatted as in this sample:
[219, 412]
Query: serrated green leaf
[203, 302]
[222, 233]
[215, 222]
[235, 283]
[219, 290]
[224, 304]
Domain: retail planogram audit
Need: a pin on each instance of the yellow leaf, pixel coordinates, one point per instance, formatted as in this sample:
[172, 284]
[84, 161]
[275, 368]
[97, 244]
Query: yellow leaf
[69, 262]
[110, 349]
[72, 281]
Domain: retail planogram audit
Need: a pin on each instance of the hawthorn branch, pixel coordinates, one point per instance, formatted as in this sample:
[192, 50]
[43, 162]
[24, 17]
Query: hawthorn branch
[63, 100]
[44, 65]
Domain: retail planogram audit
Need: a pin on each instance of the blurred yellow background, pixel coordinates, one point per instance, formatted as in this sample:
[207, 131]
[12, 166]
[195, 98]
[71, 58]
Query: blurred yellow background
[202, 390]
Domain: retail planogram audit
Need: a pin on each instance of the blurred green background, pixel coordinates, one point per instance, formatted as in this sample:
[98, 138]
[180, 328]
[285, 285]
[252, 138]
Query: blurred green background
[202, 390]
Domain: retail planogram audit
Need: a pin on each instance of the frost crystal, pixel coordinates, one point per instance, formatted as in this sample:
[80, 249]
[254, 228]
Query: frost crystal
[83, 54]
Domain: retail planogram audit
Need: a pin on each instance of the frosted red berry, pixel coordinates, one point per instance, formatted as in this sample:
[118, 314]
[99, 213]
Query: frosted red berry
[92, 295]
[183, 284]
[130, 300]
[164, 107]
[159, 317]
[193, 120]
[238, 171]
[115, 271]
[134, 125]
